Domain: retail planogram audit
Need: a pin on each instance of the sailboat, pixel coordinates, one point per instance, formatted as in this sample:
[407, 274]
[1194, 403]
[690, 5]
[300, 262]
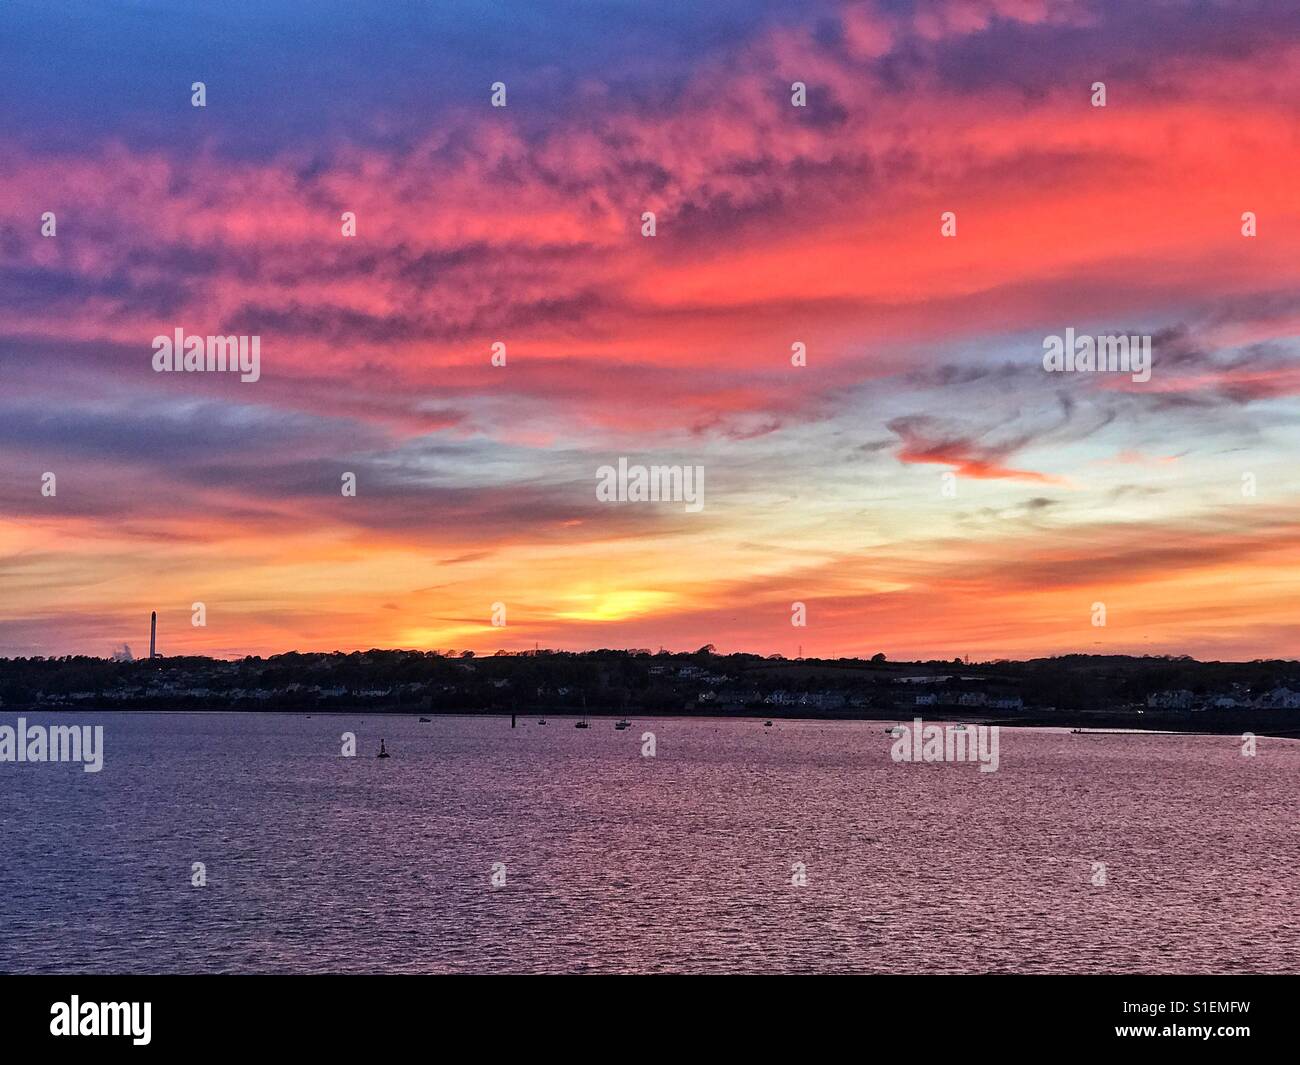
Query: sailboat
[583, 722]
[383, 753]
[621, 725]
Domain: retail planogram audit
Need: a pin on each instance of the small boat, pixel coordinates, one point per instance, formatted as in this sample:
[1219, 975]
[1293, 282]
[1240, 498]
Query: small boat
[542, 721]
[896, 730]
[425, 720]
[581, 724]
[959, 728]
[383, 752]
[767, 724]
[621, 725]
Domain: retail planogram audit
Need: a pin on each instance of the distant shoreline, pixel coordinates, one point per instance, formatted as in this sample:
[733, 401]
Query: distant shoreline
[1263, 723]
[1154, 694]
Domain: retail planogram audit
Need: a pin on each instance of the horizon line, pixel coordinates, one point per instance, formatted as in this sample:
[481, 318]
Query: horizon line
[453, 653]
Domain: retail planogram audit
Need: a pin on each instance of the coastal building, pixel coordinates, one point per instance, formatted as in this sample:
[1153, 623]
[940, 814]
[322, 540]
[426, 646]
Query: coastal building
[1170, 700]
[697, 673]
[739, 696]
[822, 700]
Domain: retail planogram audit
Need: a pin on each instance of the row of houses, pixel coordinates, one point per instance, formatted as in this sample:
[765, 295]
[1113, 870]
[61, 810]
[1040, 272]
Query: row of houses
[839, 701]
[996, 702]
[692, 673]
[174, 689]
[808, 700]
[1182, 699]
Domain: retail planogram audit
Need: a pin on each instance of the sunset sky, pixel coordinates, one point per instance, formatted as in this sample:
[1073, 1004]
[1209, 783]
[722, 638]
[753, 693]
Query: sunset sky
[775, 225]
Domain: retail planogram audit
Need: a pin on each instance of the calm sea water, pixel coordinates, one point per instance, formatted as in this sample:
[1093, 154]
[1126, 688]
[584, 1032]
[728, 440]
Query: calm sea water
[617, 862]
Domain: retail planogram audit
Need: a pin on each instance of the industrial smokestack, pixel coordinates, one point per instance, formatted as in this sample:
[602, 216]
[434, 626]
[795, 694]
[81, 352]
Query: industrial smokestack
[153, 634]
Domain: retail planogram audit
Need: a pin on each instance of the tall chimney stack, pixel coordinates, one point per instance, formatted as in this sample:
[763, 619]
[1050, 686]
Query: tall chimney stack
[153, 634]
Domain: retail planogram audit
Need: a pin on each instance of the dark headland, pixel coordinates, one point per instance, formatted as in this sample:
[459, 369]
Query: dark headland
[1078, 691]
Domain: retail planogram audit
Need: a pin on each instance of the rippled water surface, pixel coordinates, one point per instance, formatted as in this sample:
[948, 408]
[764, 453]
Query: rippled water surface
[618, 862]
